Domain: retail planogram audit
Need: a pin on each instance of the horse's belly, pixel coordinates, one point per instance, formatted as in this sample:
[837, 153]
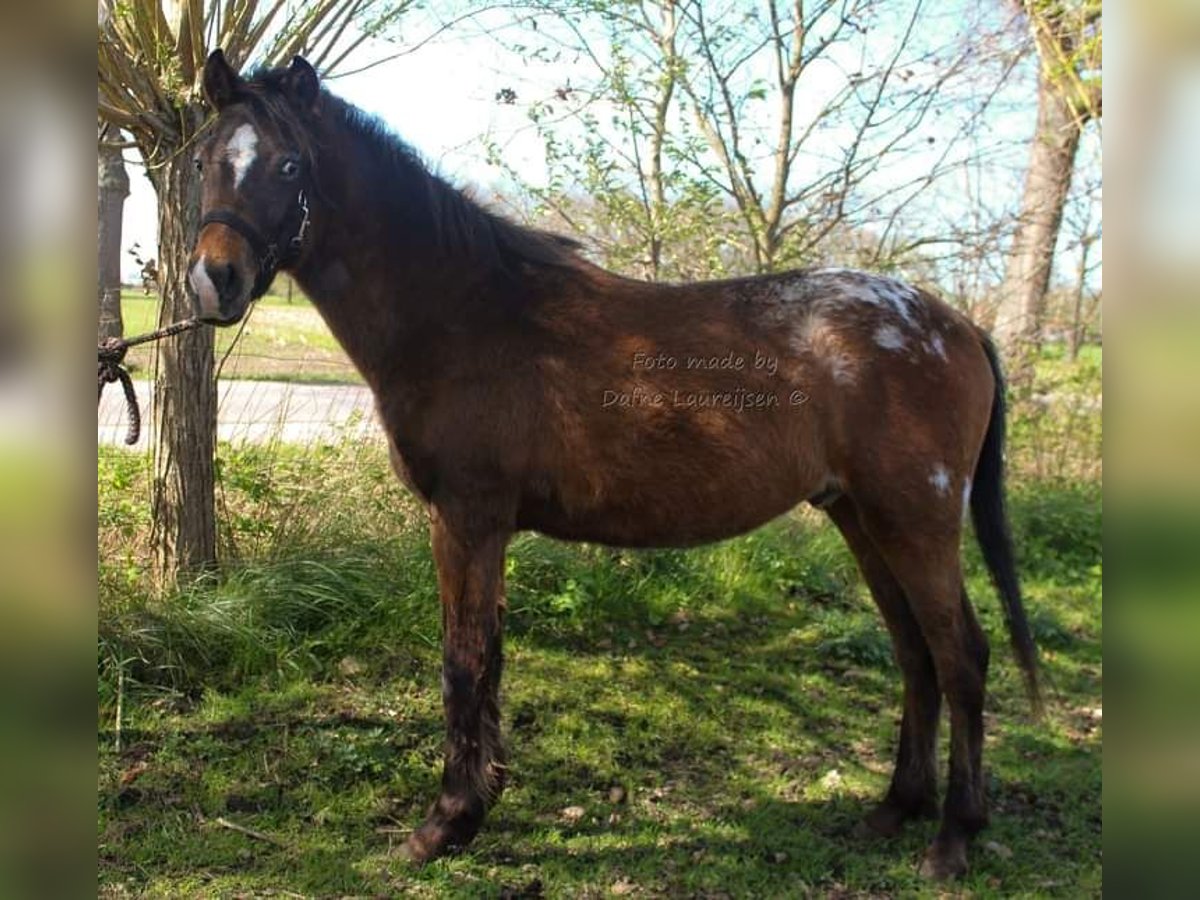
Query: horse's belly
[409, 470]
[635, 531]
[643, 514]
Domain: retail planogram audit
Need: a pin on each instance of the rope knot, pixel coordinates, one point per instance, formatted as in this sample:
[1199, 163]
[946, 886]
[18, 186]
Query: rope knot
[110, 359]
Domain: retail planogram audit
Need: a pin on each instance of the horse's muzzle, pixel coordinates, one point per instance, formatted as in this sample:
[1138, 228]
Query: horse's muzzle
[219, 292]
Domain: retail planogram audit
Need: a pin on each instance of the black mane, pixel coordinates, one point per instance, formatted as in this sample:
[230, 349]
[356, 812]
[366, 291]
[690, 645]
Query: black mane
[421, 201]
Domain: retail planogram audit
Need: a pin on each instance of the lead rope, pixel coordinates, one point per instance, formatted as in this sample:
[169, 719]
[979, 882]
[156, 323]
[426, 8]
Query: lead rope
[110, 355]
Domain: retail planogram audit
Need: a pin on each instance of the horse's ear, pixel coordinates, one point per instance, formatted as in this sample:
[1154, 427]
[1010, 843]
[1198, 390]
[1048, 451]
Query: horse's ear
[302, 82]
[220, 81]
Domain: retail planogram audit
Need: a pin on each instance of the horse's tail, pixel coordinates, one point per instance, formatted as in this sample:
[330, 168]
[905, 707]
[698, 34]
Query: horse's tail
[991, 530]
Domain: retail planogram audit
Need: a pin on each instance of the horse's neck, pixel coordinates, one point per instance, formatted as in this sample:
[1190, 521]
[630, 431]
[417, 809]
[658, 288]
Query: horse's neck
[377, 295]
[379, 269]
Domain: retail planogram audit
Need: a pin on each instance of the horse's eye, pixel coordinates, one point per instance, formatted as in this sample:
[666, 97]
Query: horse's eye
[289, 168]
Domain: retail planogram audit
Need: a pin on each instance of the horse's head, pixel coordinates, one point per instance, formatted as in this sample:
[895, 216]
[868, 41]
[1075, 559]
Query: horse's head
[255, 165]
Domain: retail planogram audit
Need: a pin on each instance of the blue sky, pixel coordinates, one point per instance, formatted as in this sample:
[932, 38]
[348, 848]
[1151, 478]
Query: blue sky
[441, 99]
[436, 100]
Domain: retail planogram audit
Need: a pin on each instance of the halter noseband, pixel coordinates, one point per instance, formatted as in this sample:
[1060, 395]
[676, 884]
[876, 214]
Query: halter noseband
[266, 253]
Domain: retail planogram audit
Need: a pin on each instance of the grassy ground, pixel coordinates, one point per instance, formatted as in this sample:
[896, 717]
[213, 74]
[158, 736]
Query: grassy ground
[708, 723]
[280, 341]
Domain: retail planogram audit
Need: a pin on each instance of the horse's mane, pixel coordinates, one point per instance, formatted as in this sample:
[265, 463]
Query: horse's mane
[421, 199]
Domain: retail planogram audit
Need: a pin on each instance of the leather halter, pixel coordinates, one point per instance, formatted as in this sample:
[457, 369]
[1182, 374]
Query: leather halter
[267, 254]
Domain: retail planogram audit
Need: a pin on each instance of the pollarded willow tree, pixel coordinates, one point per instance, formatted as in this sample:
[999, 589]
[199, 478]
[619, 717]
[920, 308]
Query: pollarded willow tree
[150, 57]
[112, 187]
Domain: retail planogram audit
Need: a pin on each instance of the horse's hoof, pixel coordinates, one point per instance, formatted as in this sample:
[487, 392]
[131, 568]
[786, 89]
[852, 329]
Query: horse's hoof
[412, 851]
[943, 862]
[440, 833]
[887, 819]
[425, 844]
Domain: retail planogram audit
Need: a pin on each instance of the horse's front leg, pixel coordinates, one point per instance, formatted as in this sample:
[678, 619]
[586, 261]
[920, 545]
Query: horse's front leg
[468, 550]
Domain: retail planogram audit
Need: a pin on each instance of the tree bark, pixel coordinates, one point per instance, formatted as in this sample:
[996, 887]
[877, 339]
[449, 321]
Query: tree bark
[1047, 184]
[112, 186]
[149, 54]
[185, 394]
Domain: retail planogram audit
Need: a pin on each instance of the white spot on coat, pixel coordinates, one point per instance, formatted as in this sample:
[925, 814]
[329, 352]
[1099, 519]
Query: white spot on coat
[841, 285]
[241, 151]
[842, 368]
[897, 295]
[940, 479]
[889, 337]
[863, 293]
[875, 290]
[935, 346]
[791, 289]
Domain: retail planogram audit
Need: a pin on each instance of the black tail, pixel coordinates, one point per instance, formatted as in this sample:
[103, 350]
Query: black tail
[991, 530]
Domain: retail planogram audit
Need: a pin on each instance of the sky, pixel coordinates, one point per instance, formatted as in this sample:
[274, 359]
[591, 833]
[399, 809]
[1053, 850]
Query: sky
[442, 100]
[434, 99]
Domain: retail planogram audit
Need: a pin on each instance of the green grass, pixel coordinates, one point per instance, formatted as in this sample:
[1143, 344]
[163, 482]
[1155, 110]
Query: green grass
[1056, 425]
[705, 723]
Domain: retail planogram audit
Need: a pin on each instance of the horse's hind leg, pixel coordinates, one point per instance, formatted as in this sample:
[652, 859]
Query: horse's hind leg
[921, 549]
[913, 790]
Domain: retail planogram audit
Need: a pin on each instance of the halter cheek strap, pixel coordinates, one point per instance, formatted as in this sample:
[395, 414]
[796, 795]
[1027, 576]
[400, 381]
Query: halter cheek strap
[266, 254]
[248, 232]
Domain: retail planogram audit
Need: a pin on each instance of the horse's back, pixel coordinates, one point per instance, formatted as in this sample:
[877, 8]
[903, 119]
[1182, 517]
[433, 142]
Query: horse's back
[686, 413]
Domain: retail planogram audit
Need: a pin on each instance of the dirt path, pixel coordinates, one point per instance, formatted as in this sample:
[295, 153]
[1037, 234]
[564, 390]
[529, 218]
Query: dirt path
[260, 412]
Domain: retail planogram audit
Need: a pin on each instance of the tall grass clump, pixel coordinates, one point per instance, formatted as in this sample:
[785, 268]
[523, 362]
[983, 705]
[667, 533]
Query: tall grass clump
[283, 618]
[323, 556]
[1056, 424]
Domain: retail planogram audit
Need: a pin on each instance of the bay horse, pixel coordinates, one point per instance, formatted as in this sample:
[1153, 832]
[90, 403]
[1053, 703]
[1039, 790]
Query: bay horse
[523, 388]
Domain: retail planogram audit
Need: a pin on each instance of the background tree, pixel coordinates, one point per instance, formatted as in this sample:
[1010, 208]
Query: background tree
[112, 187]
[611, 172]
[1087, 228]
[150, 56]
[1067, 37]
[746, 134]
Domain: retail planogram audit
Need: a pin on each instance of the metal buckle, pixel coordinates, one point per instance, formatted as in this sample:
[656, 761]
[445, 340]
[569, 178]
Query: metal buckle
[298, 241]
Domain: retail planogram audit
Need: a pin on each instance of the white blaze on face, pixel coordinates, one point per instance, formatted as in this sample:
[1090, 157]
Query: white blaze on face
[206, 291]
[241, 151]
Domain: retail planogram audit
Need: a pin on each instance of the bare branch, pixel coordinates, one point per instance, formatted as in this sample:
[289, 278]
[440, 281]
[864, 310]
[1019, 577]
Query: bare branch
[413, 47]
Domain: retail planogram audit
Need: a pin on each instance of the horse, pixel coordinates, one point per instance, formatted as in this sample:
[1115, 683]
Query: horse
[522, 387]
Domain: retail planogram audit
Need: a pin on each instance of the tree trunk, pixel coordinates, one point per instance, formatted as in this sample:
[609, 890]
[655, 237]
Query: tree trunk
[1077, 323]
[1047, 184]
[185, 394]
[112, 185]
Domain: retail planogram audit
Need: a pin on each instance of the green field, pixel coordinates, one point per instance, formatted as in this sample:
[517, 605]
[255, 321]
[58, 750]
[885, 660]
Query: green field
[278, 341]
[709, 723]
